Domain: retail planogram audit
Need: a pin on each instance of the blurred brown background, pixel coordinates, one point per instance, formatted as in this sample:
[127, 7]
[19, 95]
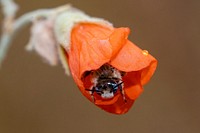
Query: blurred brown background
[37, 98]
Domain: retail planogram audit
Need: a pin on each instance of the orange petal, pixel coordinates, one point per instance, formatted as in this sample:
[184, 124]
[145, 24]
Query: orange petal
[132, 85]
[90, 43]
[119, 107]
[131, 58]
[148, 72]
[118, 39]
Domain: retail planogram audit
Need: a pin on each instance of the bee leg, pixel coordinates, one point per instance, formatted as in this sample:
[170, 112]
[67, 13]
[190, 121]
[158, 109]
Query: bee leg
[91, 93]
[92, 96]
[123, 93]
[93, 99]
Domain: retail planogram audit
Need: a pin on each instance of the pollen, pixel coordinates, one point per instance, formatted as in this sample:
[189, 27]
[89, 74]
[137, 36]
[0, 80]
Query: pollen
[145, 52]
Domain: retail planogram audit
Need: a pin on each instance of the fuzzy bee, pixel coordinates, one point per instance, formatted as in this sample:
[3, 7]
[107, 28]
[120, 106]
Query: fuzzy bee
[106, 81]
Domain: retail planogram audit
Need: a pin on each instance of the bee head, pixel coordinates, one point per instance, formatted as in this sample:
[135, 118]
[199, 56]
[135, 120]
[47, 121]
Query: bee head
[108, 89]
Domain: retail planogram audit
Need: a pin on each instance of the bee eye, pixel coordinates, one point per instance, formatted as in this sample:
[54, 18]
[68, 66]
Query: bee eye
[111, 85]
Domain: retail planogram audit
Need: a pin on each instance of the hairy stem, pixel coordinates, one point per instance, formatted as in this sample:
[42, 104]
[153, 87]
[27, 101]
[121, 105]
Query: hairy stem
[12, 26]
[9, 9]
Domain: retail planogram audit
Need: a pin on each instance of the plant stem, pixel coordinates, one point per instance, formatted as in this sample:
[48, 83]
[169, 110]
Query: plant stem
[11, 26]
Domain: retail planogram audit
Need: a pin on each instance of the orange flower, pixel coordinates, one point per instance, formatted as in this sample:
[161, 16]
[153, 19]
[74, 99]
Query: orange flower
[94, 45]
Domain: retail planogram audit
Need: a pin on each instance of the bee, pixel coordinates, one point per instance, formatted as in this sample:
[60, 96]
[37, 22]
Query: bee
[106, 81]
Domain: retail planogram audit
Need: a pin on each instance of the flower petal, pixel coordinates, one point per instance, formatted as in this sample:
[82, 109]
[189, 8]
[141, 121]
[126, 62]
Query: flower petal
[148, 72]
[43, 40]
[90, 43]
[118, 39]
[131, 58]
[119, 107]
[132, 85]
